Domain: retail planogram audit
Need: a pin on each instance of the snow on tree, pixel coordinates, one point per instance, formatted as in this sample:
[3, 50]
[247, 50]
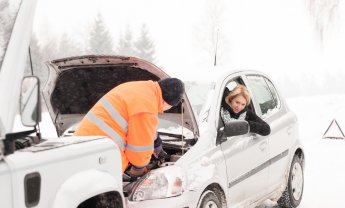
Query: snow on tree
[125, 45]
[68, 47]
[50, 49]
[100, 41]
[41, 52]
[324, 14]
[144, 46]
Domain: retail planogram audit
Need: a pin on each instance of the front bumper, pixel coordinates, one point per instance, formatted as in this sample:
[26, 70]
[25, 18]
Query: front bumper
[188, 199]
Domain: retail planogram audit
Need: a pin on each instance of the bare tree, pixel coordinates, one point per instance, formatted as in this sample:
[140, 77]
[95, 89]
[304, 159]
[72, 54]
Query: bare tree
[69, 47]
[209, 33]
[324, 14]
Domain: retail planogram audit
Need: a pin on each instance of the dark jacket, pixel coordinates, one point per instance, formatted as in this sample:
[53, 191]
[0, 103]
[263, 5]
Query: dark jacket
[256, 124]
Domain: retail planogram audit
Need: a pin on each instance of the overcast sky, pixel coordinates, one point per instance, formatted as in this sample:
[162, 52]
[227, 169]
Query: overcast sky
[276, 37]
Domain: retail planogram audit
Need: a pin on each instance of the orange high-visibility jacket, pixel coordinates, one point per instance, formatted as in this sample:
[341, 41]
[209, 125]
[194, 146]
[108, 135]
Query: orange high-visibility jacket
[128, 114]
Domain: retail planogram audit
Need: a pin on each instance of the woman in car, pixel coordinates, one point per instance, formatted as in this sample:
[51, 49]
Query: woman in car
[236, 107]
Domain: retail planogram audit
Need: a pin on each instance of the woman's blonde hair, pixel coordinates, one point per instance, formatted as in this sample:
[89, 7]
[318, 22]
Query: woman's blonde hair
[238, 90]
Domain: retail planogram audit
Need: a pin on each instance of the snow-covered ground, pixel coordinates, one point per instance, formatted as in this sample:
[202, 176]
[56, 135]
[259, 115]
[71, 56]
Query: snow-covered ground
[325, 158]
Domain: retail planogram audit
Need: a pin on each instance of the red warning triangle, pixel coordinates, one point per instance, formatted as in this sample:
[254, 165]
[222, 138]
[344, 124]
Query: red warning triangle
[333, 131]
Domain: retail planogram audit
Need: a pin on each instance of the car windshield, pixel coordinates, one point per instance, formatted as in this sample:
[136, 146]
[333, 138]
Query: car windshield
[198, 93]
[8, 13]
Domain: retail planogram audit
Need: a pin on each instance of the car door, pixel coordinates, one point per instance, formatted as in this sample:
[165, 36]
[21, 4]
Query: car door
[280, 120]
[245, 158]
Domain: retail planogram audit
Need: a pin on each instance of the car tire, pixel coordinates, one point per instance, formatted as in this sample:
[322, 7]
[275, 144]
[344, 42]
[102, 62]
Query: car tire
[209, 199]
[292, 195]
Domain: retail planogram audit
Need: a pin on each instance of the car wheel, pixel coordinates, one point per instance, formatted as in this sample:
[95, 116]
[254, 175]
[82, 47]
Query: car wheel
[209, 200]
[292, 195]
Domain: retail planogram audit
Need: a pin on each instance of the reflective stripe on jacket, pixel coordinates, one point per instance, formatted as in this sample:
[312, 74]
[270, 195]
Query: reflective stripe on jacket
[128, 114]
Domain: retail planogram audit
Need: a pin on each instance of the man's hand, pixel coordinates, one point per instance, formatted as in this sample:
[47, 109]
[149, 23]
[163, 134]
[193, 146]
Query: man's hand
[158, 152]
[134, 173]
[162, 156]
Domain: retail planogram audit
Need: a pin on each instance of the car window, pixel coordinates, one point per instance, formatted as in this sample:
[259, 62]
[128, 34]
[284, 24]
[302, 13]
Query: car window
[231, 85]
[274, 93]
[265, 94]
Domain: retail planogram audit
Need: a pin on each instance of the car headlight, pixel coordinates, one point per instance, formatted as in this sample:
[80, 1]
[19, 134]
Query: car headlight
[160, 183]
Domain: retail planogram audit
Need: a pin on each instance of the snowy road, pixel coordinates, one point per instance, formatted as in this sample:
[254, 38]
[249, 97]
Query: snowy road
[324, 175]
[325, 158]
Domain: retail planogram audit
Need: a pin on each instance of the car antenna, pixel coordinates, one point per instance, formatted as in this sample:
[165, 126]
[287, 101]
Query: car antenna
[215, 51]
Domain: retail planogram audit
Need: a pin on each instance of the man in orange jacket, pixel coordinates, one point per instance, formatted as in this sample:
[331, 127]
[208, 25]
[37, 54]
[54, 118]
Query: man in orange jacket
[128, 114]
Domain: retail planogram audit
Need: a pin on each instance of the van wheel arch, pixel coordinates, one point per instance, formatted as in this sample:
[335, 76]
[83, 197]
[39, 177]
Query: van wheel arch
[110, 199]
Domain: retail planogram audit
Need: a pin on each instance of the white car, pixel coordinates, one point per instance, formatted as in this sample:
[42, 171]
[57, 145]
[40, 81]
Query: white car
[211, 165]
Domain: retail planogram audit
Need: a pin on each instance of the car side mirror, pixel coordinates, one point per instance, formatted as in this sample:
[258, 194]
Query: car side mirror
[236, 128]
[30, 101]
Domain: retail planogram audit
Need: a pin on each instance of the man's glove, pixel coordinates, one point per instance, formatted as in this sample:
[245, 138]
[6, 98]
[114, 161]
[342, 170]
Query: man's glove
[134, 173]
[161, 155]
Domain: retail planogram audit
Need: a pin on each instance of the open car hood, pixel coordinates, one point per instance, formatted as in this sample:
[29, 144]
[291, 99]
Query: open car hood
[75, 84]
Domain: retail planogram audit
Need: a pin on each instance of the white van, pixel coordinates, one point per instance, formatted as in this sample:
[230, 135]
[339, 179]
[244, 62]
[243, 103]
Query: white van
[39, 172]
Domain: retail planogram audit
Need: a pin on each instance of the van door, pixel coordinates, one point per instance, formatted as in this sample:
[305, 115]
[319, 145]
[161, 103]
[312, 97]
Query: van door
[6, 183]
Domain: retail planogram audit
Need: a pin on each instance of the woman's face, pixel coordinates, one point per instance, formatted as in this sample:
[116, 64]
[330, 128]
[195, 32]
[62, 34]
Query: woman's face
[238, 103]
